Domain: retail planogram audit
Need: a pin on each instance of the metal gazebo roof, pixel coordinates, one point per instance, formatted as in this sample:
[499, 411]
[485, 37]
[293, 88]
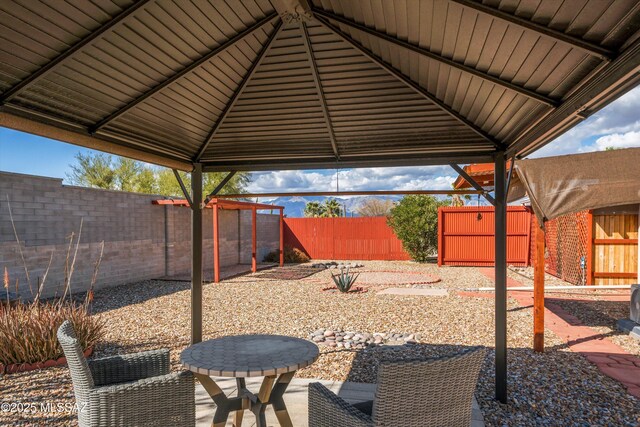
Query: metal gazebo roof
[208, 85]
[259, 84]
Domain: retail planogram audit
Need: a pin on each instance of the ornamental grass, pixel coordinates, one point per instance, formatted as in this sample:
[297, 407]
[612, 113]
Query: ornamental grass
[28, 328]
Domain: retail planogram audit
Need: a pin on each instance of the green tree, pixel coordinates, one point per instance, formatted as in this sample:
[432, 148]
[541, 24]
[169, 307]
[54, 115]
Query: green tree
[313, 210]
[119, 173]
[93, 171]
[146, 182]
[331, 208]
[415, 221]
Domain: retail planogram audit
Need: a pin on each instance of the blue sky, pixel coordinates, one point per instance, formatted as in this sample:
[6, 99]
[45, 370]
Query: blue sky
[618, 125]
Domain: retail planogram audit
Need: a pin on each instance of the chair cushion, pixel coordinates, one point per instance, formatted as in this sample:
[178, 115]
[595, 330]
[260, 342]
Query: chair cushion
[365, 407]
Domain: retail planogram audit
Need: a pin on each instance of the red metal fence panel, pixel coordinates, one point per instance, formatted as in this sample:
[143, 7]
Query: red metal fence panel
[466, 236]
[367, 238]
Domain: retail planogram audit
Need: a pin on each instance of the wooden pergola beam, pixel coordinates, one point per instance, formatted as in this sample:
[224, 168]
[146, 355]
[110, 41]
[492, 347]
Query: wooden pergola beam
[216, 245]
[538, 291]
[254, 240]
[436, 57]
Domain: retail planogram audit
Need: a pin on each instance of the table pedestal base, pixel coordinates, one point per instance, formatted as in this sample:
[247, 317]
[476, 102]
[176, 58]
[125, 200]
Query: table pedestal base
[271, 393]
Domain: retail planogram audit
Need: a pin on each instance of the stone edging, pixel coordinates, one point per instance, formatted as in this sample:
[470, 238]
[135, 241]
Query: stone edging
[25, 367]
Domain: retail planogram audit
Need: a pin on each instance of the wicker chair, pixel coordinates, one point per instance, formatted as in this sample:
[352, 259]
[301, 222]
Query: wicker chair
[129, 390]
[433, 392]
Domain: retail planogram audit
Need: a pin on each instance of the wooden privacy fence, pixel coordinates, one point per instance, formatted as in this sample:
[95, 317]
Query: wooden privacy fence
[594, 247]
[367, 238]
[466, 236]
[614, 250]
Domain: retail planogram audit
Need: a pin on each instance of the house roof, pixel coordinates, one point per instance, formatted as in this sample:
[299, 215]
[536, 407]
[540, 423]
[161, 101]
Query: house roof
[481, 172]
[259, 84]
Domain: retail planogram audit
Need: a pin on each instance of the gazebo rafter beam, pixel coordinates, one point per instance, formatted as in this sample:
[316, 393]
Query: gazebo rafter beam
[239, 91]
[318, 84]
[183, 72]
[73, 50]
[559, 36]
[473, 183]
[219, 187]
[185, 192]
[410, 83]
[437, 57]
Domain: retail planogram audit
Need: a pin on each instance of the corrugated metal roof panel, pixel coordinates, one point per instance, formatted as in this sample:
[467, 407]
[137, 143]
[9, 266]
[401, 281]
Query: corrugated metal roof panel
[462, 77]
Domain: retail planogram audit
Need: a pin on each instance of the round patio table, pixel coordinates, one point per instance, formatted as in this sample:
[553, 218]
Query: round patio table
[274, 357]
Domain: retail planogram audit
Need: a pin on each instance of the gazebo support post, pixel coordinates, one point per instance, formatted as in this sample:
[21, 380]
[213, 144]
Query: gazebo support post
[538, 292]
[254, 243]
[216, 245]
[281, 237]
[196, 253]
[500, 217]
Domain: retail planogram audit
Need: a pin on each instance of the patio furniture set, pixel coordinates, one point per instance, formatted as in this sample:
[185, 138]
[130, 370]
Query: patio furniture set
[139, 390]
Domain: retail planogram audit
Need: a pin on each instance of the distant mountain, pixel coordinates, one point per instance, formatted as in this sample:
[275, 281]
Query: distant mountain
[294, 206]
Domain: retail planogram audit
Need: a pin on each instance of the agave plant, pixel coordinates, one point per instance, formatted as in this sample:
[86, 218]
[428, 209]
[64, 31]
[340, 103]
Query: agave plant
[344, 281]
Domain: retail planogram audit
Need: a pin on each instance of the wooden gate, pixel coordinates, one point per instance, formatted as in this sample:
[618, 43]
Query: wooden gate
[615, 249]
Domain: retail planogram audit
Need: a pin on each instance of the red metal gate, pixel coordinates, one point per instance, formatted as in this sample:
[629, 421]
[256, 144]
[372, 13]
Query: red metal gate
[367, 238]
[466, 236]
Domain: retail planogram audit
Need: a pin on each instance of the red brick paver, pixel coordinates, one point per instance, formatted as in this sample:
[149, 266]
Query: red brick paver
[611, 359]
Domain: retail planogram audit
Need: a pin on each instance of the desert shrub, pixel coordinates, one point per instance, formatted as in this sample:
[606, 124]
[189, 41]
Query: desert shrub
[28, 331]
[415, 221]
[344, 281]
[291, 255]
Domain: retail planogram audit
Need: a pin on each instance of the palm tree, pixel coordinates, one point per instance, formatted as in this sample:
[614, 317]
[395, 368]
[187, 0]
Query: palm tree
[313, 210]
[332, 208]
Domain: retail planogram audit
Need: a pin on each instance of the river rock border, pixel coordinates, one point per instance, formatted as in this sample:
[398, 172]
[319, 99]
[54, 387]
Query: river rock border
[25, 367]
[336, 338]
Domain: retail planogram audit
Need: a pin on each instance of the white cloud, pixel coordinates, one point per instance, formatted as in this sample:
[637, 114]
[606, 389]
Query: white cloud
[619, 140]
[392, 178]
[620, 117]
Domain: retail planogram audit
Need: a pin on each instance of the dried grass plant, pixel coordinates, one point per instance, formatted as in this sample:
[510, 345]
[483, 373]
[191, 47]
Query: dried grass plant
[28, 328]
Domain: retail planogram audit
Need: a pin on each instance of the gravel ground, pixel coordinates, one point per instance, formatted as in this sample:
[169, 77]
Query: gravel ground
[556, 388]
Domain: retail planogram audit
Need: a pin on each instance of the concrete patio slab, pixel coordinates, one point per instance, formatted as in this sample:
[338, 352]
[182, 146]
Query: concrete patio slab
[433, 292]
[296, 400]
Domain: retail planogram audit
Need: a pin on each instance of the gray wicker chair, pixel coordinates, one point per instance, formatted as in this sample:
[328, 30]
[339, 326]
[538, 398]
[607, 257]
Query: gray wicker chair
[433, 392]
[128, 390]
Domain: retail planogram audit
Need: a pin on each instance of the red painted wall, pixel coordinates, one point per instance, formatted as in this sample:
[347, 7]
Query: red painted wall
[367, 238]
[466, 236]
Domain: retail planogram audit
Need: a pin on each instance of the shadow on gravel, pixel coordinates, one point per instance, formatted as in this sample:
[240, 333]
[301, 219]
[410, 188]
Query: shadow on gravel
[286, 273]
[591, 312]
[134, 293]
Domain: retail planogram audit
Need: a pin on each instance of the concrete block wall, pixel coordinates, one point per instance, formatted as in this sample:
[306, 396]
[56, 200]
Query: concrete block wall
[141, 241]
